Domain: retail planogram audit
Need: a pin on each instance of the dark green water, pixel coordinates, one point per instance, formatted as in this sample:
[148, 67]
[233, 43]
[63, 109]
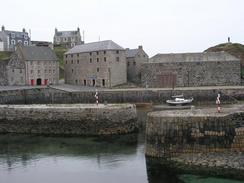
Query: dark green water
[120, 159]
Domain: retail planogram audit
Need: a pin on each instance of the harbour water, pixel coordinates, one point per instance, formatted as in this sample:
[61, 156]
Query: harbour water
[120, 159]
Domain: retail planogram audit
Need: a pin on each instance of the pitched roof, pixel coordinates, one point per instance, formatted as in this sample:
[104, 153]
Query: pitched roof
[95, 46]
[41, 53]
[131, 52]
[193, 57]
[66, 33]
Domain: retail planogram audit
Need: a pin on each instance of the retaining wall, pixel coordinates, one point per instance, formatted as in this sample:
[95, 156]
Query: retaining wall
[68, 119]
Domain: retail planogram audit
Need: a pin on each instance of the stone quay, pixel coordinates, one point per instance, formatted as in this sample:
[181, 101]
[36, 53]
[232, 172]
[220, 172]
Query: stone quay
[198, 137]
[68, 119]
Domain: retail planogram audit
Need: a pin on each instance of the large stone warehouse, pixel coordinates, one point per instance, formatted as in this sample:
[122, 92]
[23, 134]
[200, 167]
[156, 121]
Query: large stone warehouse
[191, 69]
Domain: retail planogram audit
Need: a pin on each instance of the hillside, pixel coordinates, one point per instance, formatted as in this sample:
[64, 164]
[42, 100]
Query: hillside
[4, 55]
[60, 54]
[234, 49]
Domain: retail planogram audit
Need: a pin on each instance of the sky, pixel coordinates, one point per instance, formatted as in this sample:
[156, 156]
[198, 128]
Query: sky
[161, 26]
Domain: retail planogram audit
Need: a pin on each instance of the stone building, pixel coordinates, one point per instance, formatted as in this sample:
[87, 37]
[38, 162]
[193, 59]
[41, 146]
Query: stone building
[11, 38]
[101, 64]
[33, 65]
[42, 43]
[191, 69]
[135, 58]
[67, 39]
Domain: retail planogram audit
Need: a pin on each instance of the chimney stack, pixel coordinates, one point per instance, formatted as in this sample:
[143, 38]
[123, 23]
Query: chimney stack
[140, 47]
[3, 28]
[23, 30]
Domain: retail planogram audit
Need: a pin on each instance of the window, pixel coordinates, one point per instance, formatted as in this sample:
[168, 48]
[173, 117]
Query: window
[97, 53]
[78, 55]
[97, 59]
[103, 82]
[20, 71]
[66, 56]
[13, 41]
[134, 63]
[53, 70]
[13, 35]
[117, 59]
[39, 71]
[105, 59]
[45, 70]
[66, 61]
[117, 51]
[90, 60]
[31, 62]
[97, 69]
[104, 52]
[49, 70]
[93, 82]
[71, 61]
[25, 36]
[128, 63]
[25, 42]
[71, 55]
[76, 81]
[84, 82]
[144, 56]
[12, 70]
[78, 61]
[90, 53]
[72, 70]
[31, 71]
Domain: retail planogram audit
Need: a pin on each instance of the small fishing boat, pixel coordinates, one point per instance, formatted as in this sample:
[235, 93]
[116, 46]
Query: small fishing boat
[179, 100]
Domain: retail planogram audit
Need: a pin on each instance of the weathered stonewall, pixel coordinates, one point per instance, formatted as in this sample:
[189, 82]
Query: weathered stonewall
[68, 119]
[170, 133]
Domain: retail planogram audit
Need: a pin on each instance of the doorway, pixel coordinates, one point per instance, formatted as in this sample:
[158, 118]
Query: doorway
[39, 81]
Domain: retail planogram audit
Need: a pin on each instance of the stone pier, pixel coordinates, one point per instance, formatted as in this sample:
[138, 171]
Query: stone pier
[198, 137]
[68, 119]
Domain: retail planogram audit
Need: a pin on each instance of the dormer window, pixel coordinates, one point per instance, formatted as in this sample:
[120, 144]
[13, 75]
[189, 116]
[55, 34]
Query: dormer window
[25, 36]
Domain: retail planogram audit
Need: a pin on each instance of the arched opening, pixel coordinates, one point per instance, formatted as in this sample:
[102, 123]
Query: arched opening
[93, 82]
[103, 82]
[39, 81]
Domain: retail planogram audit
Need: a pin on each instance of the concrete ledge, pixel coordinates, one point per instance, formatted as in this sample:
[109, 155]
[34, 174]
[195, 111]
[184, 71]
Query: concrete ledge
[68, 119]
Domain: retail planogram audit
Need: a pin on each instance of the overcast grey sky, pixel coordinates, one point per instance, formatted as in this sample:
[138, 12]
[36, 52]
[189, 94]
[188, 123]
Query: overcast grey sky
[161, 26]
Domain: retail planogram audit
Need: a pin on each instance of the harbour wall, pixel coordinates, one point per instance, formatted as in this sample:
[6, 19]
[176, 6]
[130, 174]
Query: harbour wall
[68, 119]
[172, 133]
[158, 96]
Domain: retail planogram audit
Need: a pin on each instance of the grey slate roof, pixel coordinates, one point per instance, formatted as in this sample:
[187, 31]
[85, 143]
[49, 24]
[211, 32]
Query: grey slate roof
[18, 34]
[38, 53]
[193, 57]
[131, 52]
[95, 46]
[66, 33]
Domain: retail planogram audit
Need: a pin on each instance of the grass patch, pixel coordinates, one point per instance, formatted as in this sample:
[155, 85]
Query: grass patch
[4, 55]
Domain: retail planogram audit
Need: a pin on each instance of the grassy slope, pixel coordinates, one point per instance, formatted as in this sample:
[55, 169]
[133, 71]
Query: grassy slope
[235, 49]
[4, 55]
[60, 54]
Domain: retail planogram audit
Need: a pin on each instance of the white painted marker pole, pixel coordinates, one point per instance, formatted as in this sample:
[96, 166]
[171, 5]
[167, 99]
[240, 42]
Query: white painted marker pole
[96, 96]
[218, 103]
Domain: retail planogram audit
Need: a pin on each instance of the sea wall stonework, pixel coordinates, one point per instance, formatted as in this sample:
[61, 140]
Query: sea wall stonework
[68, 119]
[173, 133]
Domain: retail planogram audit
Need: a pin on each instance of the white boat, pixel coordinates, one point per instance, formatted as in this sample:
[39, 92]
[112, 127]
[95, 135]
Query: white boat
[179, 101]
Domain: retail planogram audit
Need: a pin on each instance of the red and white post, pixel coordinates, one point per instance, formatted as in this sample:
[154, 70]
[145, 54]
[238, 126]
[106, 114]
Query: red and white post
[218, 103]
[96, 96]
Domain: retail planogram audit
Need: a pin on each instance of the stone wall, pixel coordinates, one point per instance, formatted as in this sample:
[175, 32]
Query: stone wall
[191, 73]
[156, 96]
[3, 72]
[68, 119]
[172, 133]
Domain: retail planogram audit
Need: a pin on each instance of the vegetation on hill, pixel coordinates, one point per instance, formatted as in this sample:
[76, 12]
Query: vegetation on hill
[4, 55]
[60, 54]
[234, 49]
